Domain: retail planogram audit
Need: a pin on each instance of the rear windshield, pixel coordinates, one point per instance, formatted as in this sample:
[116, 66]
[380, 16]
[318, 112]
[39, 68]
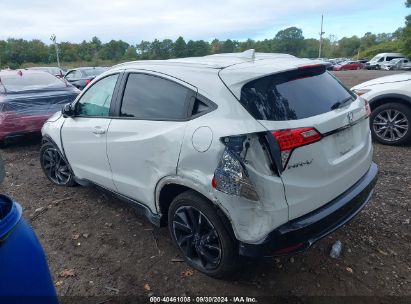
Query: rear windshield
[30, 81]
[294, 95]
[93, 72]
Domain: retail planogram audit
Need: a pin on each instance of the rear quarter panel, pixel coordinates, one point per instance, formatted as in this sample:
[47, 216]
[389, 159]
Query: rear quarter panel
[251, 221]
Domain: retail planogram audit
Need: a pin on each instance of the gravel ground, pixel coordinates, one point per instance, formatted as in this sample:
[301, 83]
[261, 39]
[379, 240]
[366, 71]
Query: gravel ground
[109, 249]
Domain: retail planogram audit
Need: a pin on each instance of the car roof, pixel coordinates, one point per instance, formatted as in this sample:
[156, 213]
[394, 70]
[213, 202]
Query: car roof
[216, 61]
[234, 69]
[389, 54]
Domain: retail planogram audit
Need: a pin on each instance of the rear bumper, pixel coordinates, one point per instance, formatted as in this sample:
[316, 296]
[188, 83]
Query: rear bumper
[300, 233]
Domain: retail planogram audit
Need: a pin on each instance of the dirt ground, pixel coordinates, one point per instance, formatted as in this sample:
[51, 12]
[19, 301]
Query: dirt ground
[110, 250]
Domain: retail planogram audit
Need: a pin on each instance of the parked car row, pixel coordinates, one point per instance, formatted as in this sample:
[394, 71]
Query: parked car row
[378, 61]
[387, 61]
[27, 99]
[348, 65]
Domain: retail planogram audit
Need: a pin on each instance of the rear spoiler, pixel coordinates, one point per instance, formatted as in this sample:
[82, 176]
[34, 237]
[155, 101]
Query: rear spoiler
[236, 76]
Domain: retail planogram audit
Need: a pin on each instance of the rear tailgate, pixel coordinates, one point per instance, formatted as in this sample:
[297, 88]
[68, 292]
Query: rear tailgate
[309, 97]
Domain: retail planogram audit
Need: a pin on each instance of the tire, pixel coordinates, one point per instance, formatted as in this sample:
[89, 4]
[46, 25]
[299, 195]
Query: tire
[55, 167]
[377, 67]
[398, 131]
[195, 244]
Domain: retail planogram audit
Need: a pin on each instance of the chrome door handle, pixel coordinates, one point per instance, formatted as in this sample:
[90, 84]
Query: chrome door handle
[98, 131]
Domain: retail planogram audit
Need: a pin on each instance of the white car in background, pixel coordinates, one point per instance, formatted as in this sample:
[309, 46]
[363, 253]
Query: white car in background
[390, 101]
[397, 64]
[240, 154]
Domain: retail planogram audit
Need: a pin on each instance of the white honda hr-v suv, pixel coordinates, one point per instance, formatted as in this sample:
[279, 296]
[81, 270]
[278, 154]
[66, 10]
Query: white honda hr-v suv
[240, 154]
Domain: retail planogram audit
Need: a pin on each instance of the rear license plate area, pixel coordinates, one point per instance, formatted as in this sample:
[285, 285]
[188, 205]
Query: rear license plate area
[344, 140]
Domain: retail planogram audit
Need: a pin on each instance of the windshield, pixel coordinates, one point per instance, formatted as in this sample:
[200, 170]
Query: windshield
[294, 95]
[14, 82]
[376, 58]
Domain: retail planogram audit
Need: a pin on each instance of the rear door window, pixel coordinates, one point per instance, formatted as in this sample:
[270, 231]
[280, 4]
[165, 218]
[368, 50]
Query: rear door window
[294, 95]
[153, 98]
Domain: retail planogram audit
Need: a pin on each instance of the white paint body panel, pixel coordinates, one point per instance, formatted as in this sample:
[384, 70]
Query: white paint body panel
[141, 153]
[86, 151]
[399, 84]
[321, 171]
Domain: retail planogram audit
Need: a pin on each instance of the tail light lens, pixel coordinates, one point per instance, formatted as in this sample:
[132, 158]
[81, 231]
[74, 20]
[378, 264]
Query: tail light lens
[290, 139]
[87, 81]
[231, 177]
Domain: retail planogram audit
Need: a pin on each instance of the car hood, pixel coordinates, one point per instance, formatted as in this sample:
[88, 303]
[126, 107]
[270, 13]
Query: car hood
[386, 79]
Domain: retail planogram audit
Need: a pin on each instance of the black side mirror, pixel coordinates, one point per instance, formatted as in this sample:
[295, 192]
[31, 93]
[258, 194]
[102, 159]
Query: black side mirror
[67, 111]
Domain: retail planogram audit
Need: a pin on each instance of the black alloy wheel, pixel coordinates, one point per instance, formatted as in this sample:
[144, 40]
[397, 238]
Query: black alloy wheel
[197, 237]
[390, 124]
[202, 235]
[55, 167]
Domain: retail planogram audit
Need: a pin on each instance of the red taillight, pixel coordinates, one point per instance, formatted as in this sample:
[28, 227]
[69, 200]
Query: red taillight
[87, 81]
[294, 138]
[214, 182]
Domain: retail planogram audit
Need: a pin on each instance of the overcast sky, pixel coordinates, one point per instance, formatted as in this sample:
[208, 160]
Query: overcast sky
[132, 21]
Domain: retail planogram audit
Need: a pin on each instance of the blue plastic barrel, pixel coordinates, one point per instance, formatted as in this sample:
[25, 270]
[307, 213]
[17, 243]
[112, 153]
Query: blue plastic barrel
[24, 274]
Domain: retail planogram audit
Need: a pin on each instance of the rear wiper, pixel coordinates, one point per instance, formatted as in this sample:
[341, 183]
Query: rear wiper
[340, 104]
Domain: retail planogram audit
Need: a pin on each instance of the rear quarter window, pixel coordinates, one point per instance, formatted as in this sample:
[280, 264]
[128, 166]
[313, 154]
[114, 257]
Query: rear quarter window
[292, 95]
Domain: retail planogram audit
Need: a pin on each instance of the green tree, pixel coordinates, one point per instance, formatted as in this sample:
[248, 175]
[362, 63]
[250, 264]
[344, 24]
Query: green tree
[368, 40]
[310, 49]
[114, 50]
[144, 50]
[130, 54]
[246, 45]
[406, 33]
[180, 48]
[290, 40]
[216, 46]
[198, 48]
[348, 46]
[229, 46]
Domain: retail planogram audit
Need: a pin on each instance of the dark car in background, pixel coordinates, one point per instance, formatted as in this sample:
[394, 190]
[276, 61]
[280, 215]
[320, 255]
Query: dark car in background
[27, 99]
[81, 77]
[56, 71]
[348, 65]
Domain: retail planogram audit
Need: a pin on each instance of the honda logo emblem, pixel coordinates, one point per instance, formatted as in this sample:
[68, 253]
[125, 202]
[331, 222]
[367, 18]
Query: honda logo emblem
[350, 117]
